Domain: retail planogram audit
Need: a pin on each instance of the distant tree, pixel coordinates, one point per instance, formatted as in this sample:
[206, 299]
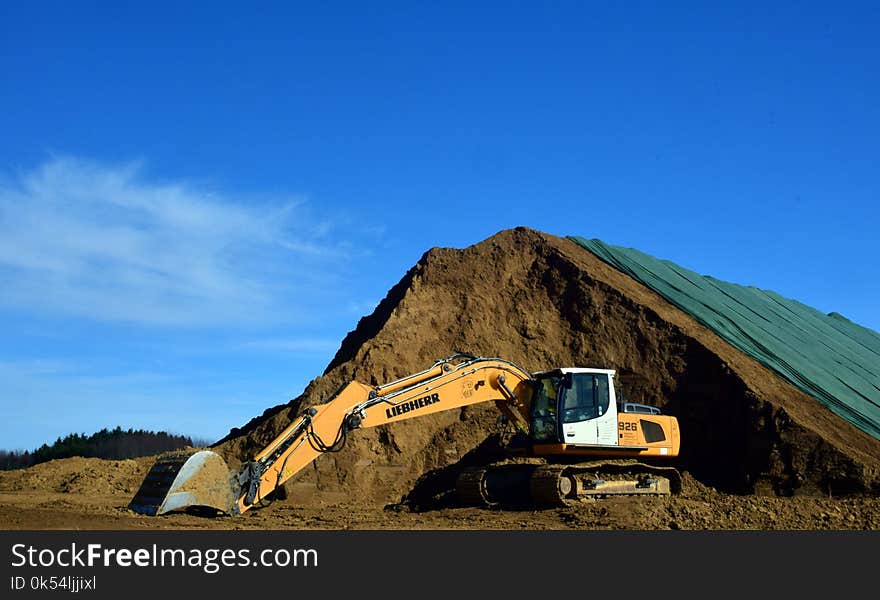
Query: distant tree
[113, 444]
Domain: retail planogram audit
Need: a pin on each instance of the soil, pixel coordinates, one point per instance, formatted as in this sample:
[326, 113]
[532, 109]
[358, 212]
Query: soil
[104, 506]
[756, 452]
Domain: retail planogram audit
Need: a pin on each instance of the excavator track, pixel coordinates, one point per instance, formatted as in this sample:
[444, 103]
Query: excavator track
[560, 484]
[470, 488]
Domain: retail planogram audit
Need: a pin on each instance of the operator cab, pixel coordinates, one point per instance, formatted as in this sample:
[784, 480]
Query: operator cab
[575, 406]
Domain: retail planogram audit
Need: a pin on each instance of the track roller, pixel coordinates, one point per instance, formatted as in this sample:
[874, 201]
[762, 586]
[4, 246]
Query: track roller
[470, 487]
[549, 486]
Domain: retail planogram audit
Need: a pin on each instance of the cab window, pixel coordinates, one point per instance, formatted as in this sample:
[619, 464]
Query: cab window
[585, 397]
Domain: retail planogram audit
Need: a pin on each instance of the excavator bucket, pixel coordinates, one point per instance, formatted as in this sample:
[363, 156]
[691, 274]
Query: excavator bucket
[179, 481]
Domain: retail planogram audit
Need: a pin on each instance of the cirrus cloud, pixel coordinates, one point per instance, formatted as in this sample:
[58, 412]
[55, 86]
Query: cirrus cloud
[84, 239]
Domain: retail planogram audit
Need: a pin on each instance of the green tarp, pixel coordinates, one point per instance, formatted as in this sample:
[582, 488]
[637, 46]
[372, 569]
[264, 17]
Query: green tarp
[827, 356]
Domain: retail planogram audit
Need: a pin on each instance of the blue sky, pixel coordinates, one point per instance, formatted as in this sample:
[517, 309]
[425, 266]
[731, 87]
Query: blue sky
[197, 202]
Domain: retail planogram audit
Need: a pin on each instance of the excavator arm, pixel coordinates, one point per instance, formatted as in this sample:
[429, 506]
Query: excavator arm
[458, 381]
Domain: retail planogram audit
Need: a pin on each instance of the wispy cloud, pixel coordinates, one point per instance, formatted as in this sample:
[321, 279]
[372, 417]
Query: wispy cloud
[103, 242]
[49, 367]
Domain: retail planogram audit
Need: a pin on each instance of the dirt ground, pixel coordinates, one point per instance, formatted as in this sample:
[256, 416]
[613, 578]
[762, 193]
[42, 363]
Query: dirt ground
[94, 494]
[42, 510]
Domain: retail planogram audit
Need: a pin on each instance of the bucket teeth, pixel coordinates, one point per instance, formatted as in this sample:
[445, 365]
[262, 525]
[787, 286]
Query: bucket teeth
[180, 481]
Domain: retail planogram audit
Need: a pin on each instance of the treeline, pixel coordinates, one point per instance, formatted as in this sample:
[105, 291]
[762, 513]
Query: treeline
[113, 444]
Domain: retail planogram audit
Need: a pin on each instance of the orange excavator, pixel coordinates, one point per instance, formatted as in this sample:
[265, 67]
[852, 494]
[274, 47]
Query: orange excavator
[574, 439]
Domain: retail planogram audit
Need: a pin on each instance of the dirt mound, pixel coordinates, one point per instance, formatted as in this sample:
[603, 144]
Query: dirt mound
[542, 302]
[90, 476]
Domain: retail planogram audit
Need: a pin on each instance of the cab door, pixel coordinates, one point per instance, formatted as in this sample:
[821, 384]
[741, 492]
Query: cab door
[587, 415]
[606, 423]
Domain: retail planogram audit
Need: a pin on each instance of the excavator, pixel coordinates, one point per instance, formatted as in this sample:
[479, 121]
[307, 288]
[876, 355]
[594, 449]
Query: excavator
[574, 439]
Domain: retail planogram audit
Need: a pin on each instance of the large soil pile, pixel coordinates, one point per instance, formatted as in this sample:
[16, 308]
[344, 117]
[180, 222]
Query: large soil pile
[542, 302]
